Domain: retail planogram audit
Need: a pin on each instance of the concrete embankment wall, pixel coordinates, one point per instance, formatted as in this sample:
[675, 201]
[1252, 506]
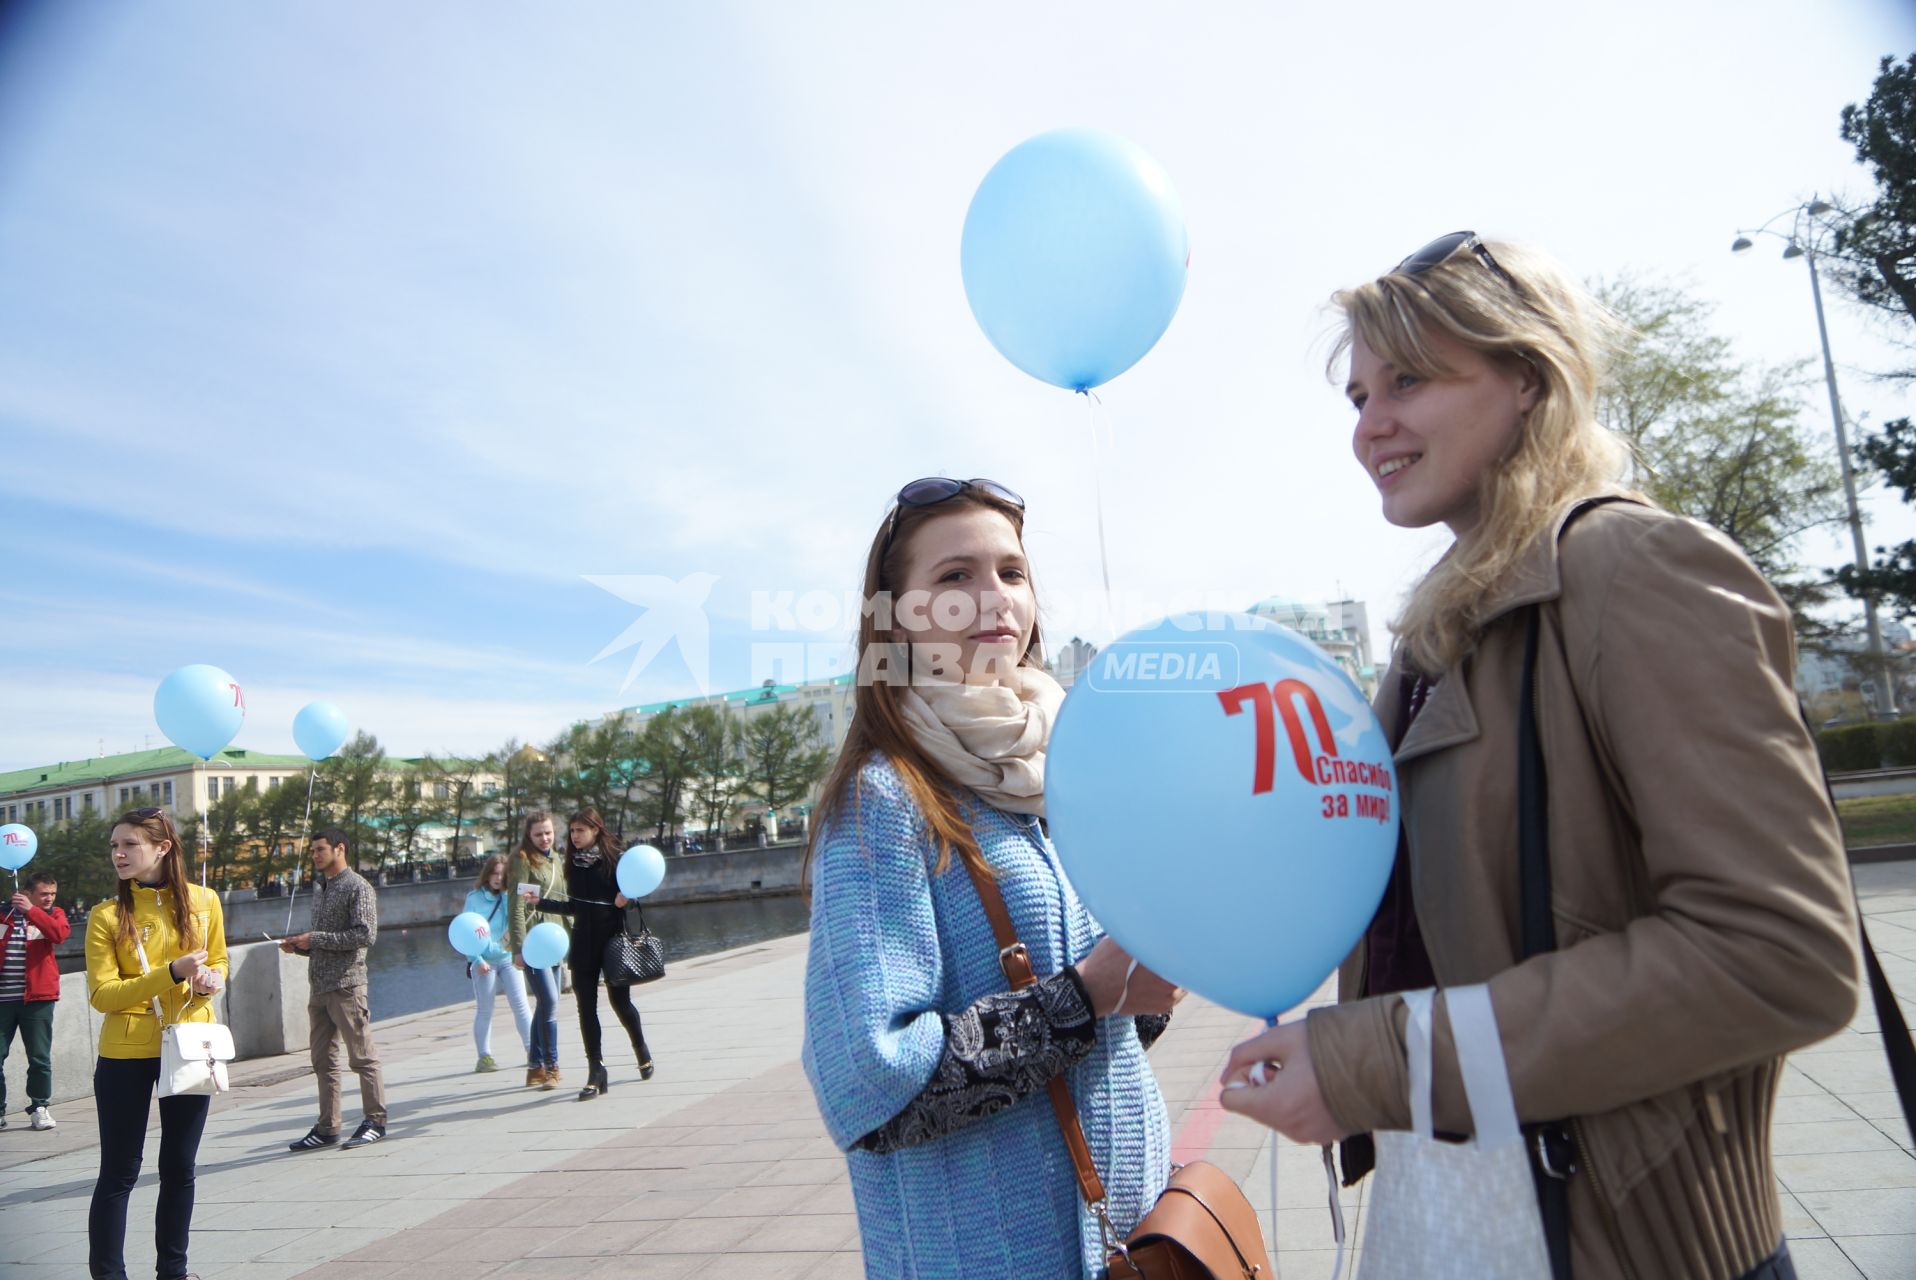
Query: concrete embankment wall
[264, 1002]
[265, 998]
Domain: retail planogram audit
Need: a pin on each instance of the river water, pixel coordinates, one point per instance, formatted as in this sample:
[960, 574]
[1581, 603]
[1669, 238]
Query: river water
[412, 970]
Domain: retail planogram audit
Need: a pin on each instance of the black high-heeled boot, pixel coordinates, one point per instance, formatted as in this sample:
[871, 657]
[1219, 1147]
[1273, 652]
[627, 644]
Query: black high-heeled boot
[595, 1083]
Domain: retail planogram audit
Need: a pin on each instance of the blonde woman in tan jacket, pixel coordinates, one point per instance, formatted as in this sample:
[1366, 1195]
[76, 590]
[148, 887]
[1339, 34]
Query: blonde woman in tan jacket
[1704, 924]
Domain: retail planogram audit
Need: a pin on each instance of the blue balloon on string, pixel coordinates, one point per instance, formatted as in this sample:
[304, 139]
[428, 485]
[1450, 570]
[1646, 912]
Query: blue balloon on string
[320, 729]
[17, 846]
[546, 944]
[470, 935]
[1074, 256]
[200, 708]
[1225, 803]
[641, 870]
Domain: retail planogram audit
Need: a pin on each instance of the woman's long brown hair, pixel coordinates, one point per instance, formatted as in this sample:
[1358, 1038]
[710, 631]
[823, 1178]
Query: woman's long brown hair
[158, 829]
[589, 817]
[878, 724]
[533, 856]
[485, 874]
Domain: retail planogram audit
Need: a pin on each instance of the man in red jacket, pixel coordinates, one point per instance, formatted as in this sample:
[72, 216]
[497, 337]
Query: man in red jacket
[29, 984]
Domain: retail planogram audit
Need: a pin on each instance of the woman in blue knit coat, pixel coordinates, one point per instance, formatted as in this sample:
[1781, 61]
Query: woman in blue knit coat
[931, 1075]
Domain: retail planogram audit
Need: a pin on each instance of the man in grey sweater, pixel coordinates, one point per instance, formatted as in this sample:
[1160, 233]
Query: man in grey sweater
[345, 922]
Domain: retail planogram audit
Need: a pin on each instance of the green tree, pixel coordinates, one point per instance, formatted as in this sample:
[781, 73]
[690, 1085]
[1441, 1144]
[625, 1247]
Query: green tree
[783, 757]
[712, 762]
[273, 824]
[455, 787]
[665, 776]
[405, 806]
[76, 852]
[1892, 571]
[348, 791]
[1720, 439]
[525, 784]
[1875, 247]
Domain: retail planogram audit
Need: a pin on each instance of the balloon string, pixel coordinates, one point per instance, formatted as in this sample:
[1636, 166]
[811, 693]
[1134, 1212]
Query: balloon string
[1099, 420]
[1337, 1214]
[1277, 1267]
[303, 822]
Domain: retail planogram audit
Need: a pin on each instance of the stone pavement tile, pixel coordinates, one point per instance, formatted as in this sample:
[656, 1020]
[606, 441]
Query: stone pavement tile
[1797, 1222]
[1811, 1108]
[41, 1246]
[1882, 1105]
[1862, 1213]
[1847, 1171]
[839, 1266]
[1881, 1257]
[1313, 1264]
[833, 1199]
[668, 1206]
[249, 1270]
[812, 1233]
[237, 1246]
[748, 1202]
[591, 1240]
[1821, 1260]
[334, 1243]
[1849, 1071]
[705, 1235]
[800, 1173]
[1832, 1135]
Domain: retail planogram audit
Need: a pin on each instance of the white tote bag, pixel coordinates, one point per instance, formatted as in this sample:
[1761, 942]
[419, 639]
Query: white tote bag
[1447, 1210]
[193, 1055]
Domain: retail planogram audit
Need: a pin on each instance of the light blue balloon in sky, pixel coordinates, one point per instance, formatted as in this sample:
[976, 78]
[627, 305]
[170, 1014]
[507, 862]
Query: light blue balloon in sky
[546, 944]
[1074, 256]
[17, 846]
[1225, 803]
[641, 870]
[199, 708]
[469, 934]
[320, 729]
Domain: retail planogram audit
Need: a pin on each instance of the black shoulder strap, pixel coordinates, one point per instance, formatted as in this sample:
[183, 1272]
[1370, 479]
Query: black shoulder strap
[1897, 1044]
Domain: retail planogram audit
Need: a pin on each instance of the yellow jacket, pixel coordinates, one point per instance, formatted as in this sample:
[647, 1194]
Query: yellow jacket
[115, 984]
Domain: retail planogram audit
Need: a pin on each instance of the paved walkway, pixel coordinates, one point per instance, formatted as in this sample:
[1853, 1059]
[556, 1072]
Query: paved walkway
[719, 1164]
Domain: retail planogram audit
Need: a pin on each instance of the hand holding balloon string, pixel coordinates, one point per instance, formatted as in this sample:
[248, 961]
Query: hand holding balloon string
[1271, 1079]
[1118, 984]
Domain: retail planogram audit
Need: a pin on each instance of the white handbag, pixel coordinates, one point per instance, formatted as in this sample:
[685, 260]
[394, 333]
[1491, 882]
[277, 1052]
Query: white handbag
[193, 1055]
[1438, 1210]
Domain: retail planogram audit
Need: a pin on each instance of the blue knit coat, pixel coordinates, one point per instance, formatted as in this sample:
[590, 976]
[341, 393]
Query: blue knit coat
[893, 946]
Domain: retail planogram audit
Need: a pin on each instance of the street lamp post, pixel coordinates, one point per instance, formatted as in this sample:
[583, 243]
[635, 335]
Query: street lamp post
[1800, 242]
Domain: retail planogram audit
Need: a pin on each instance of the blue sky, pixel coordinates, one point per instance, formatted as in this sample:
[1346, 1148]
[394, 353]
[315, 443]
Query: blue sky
[338, 342]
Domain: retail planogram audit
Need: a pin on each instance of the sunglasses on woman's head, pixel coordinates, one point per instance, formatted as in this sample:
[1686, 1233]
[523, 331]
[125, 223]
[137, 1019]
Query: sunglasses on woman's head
[152, 811]
[933, 490]
[1441, 249]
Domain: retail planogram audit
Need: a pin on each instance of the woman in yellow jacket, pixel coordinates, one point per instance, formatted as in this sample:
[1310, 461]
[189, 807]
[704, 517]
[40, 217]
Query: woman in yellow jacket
[163, 938]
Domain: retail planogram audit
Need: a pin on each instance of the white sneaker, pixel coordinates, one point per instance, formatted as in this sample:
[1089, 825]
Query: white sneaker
[42, 1118]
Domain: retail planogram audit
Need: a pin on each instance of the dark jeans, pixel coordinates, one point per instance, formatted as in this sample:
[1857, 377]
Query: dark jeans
[585, 989]
[543, 986]
[34, 1019]
[1776, 1267]
[122, 1093]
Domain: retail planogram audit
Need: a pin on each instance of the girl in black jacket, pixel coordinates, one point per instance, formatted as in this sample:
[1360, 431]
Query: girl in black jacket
[597, 909]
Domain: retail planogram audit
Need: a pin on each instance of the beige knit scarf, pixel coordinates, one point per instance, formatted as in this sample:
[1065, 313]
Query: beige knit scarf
[990, 738]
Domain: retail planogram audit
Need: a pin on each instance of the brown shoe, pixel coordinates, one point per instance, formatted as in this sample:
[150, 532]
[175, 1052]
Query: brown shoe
[551, 1080]
[535, 1076]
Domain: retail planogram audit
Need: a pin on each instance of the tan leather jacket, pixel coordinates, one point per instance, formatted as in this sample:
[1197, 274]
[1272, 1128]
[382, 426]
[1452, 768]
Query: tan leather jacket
[1704, 915]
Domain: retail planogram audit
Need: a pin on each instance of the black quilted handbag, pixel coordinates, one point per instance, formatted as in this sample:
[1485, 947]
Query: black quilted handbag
[633, 958]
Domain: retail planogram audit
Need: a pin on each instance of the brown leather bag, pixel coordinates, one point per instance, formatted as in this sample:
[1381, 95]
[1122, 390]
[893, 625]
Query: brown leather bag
[1202, 1227]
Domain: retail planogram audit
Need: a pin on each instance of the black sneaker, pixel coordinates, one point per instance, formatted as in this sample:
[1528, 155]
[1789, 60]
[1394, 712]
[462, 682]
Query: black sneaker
[314, 1140]
[364, 1136]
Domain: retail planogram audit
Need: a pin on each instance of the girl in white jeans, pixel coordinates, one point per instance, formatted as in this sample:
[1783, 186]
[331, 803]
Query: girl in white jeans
[494, 968]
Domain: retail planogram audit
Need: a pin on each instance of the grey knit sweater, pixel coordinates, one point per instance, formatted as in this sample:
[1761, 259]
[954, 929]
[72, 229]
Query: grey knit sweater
[345, 922]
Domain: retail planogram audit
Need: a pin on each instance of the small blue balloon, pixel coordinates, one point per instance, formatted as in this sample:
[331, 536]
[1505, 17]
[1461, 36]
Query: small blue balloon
[17, 846]
[1074, 256]
[1225, 803]
[470, 935]
[641, 870]
[199, 708]
[546, 945]
[320, 729]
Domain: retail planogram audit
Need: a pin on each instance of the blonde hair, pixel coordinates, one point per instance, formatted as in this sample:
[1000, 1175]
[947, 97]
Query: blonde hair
[1539, 317]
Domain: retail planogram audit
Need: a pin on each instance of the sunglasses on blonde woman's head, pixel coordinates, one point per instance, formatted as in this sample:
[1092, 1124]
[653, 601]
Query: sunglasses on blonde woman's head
[1443, 247]
[151, 811]
[931, 491]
